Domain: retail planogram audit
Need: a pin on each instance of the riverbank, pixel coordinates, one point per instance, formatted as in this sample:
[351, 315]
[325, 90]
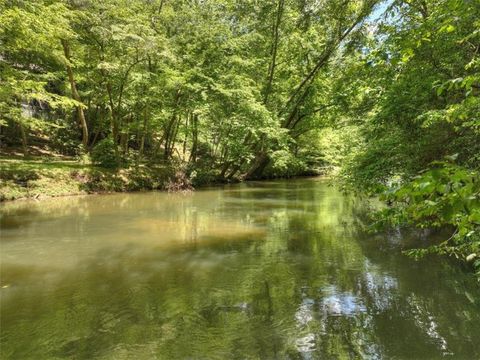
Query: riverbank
[42, 177]
[50, 177]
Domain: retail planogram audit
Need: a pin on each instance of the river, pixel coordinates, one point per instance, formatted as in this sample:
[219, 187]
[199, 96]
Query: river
[259, 270]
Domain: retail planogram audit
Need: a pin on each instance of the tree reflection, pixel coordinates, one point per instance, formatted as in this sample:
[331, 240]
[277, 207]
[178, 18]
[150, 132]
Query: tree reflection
[295, 279]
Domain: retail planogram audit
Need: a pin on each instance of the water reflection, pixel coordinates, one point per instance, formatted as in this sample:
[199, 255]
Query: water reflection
[337, 303]
[263, 270]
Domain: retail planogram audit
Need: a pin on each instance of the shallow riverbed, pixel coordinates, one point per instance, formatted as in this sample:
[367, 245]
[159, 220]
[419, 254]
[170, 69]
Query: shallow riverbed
[266, 270]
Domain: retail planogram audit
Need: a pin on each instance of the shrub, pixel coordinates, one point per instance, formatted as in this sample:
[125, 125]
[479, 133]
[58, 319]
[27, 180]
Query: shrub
[104, 154]
[445, 195]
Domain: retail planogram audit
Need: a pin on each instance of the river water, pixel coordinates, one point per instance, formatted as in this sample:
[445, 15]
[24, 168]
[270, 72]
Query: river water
[262, 270]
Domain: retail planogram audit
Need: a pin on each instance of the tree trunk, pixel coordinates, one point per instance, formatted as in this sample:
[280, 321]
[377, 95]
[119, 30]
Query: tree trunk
[24, 140]
[144, 133]
[173, 138]
[168, 136]
[185, 138]
[75, 95]
[124, 142]
[273, 51]
[193, 154]
[259, 164]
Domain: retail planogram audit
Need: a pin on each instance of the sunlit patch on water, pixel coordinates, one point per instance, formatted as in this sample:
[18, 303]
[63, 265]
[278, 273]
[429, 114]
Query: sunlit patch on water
[336, 303]
[427, 323]
[380, 286]
[304, 313]
[306, 344]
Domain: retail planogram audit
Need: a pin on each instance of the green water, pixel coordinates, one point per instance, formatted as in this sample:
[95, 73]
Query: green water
[267, 270]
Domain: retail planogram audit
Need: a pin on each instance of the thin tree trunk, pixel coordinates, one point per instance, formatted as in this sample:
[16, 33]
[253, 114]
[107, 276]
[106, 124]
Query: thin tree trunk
[95, 136]
[193, 154]
[184, 150]
[226, 166]
[75, 95]
[144, 133]
[173, 139]
[23, 134]
[168, 130]
[168, 135]
[273, 51]
[124, 141]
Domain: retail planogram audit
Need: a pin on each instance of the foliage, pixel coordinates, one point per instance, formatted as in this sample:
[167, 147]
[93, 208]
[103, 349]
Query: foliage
[445, 195]
[222, 86]
[411, 87]
[105, 154]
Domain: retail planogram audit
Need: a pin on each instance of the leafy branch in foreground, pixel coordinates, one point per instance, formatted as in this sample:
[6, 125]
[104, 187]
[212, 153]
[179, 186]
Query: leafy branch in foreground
[445, 195]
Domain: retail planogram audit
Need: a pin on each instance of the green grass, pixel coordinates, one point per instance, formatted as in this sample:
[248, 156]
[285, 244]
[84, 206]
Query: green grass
[46, 177]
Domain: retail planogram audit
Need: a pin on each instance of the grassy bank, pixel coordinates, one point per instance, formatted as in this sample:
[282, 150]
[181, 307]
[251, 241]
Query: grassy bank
[50, 176]
[46, 177]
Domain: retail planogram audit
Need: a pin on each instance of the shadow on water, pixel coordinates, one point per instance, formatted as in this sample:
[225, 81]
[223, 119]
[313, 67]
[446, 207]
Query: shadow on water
[264, 270]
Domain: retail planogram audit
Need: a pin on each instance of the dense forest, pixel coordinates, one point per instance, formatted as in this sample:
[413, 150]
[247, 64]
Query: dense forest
[383, 95]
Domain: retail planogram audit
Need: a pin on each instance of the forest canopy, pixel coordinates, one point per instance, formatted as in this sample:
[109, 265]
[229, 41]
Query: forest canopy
[225, 85]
